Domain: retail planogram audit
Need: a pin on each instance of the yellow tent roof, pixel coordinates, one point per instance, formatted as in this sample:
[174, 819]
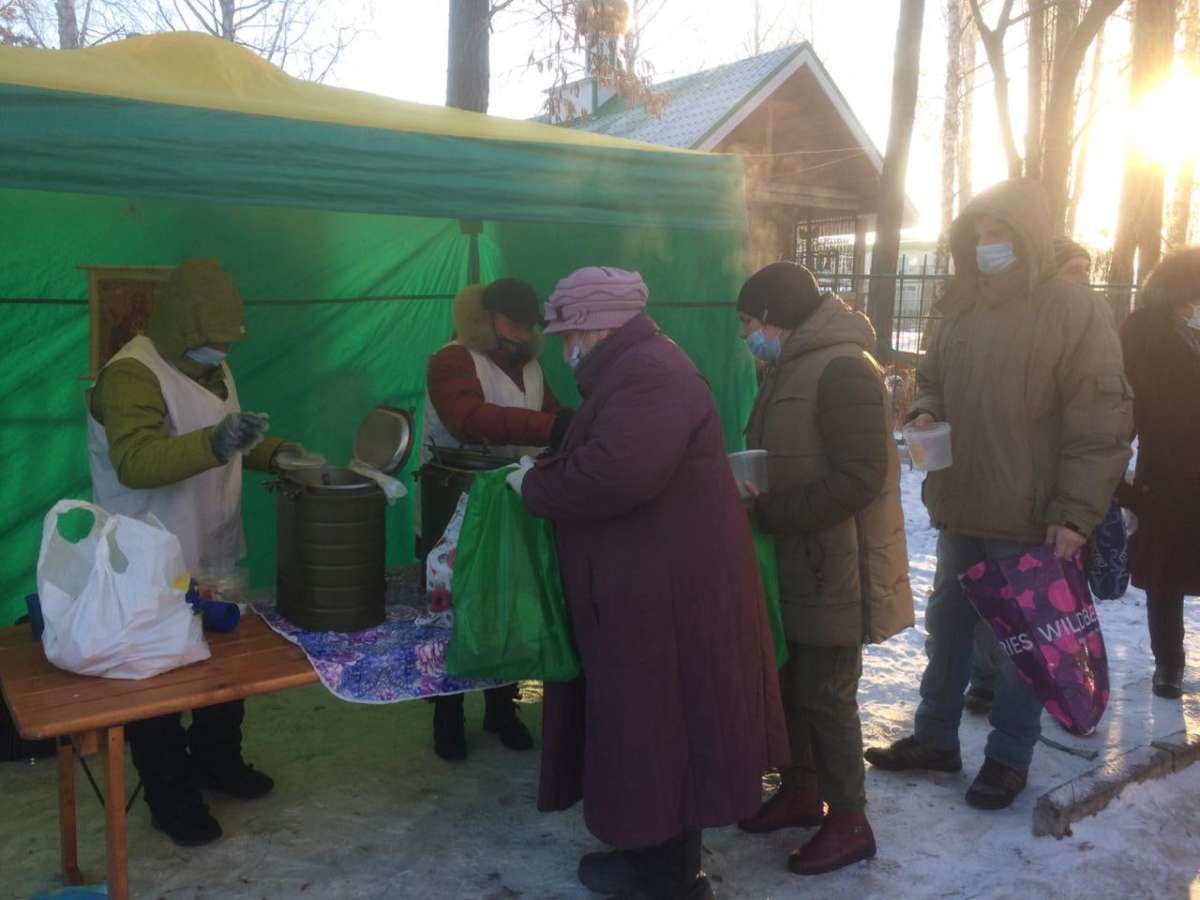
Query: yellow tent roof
[197, 70]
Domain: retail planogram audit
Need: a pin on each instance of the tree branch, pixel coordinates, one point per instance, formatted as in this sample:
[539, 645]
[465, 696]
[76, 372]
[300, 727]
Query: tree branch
[1089, 26]
[993, 47]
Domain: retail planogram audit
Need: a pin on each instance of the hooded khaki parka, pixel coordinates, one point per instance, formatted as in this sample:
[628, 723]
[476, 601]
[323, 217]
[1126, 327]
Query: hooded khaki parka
[1027, 370]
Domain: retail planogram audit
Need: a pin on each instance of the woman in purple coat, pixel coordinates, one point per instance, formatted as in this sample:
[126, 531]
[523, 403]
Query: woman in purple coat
[678, 709]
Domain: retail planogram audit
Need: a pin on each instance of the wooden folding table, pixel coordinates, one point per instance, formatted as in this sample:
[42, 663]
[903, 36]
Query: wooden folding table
[82, 713]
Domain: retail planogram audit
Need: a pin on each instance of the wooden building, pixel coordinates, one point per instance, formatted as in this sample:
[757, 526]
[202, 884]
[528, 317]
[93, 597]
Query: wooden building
[812, 172]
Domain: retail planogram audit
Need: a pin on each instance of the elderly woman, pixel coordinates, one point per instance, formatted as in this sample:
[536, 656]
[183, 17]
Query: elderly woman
[678, 709]
[1161, 341]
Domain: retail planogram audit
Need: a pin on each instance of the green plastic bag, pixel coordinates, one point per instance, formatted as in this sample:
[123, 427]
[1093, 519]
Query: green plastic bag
[509, 616]
[764, 549]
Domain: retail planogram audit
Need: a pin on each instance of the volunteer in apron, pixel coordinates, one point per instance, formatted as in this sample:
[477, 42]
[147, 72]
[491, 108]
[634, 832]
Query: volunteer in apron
[166, 437]
[486, 387]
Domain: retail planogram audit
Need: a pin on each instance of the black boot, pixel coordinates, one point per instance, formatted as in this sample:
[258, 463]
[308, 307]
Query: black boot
[670, 871]
[1168, 682]
[449, 729]
[610, 871]
[160, 755]
[186, 821]
[500, 718]
[236, 779]
[215, 742]
[996, 786]
[909, 753]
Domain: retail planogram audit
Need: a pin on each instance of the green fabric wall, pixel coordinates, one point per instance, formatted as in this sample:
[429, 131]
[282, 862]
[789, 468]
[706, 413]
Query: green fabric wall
[343, 312]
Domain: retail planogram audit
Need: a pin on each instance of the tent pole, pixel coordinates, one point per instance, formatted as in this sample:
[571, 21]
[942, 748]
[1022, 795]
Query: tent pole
[472, 228]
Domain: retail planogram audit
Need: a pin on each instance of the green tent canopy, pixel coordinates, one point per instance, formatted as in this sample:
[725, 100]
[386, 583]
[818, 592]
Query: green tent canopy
[349, 221]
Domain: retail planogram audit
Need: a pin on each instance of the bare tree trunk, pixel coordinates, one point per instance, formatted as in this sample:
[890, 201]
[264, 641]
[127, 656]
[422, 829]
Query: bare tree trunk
[1034, 89]
[1185, 176]
[1139, 223]
[1058, 140]
[966, 162]
[1066, 21]
[951, 126]
[68, 27]
[905, 77]
[1085, 137]
[228, 21]
[993, 46]
[468, 72]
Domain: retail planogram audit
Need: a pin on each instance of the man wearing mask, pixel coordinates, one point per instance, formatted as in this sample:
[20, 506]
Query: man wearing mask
[834, 510]
[1026, 368]
[486, 388]
[1074, 264]
[166, 436]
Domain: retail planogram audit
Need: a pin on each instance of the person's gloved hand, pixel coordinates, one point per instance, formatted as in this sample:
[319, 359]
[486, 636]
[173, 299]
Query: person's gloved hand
[237, 433]
[562, 421]
[516, 477]
[261, 423]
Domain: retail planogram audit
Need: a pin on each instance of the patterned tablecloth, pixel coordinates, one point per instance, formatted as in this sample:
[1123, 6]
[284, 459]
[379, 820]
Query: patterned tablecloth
[398, 660]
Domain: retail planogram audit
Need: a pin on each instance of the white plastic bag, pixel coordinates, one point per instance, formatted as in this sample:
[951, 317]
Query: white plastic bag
[114, 603]
[439, 571]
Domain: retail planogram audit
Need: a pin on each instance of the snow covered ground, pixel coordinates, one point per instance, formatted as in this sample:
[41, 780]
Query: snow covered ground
[365, 810]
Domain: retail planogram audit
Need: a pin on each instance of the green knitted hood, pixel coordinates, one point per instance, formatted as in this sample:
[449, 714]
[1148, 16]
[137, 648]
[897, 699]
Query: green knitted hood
[199, 304]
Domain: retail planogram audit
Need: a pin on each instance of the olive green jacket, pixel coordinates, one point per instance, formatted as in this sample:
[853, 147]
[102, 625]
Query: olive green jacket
[1027, 370]
[199, 304]
[833, 502]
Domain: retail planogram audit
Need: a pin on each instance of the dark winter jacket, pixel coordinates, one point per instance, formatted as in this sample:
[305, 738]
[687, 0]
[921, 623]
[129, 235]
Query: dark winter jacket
[1026, 368]
[834, 477]
[1164, 552]
[678, 712]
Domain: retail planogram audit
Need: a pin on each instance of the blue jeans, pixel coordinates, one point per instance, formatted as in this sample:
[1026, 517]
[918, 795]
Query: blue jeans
[950, 621]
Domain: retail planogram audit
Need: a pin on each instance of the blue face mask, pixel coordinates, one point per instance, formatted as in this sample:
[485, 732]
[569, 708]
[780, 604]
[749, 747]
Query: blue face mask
[206, 356]
[767, 351]
[575, 357]
[992, 259]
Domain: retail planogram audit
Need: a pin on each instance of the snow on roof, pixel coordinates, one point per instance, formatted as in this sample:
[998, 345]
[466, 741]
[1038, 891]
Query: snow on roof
[704, 107]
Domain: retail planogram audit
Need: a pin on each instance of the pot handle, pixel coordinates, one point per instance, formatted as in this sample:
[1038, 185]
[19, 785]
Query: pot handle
[288, 489]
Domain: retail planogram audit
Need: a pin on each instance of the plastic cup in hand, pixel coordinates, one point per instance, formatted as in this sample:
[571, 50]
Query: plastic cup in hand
[749, 466]
[929, 448]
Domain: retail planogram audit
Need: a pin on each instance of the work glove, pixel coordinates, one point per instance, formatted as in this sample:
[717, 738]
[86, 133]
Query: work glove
[516, 477]
[238, 432]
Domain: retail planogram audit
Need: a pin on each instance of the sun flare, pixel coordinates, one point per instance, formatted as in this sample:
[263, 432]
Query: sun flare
[1164, 124]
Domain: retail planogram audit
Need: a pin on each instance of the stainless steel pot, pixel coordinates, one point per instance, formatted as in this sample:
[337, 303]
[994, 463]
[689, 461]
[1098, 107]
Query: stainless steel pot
[331, 532]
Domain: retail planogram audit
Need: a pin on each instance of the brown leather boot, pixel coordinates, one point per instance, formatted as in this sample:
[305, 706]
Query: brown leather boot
[789, 807]
[845, 838]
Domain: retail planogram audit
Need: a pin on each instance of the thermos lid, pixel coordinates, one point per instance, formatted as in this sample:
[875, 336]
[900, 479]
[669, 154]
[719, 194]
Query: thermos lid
[384, 439]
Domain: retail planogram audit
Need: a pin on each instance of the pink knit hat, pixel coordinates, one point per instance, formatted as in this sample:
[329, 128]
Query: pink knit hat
[595, 299]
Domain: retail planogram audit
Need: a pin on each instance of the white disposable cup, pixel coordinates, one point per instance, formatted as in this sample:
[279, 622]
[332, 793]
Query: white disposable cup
[929, 448]
[751, 466]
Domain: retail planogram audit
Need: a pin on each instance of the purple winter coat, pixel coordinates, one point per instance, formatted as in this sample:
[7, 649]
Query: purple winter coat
[678, 711]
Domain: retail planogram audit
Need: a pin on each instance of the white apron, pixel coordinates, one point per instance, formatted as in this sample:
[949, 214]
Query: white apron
[203, 511]
[498, 389]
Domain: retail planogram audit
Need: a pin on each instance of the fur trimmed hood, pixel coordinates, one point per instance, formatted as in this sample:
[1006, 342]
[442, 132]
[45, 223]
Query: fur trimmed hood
[473, 324]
